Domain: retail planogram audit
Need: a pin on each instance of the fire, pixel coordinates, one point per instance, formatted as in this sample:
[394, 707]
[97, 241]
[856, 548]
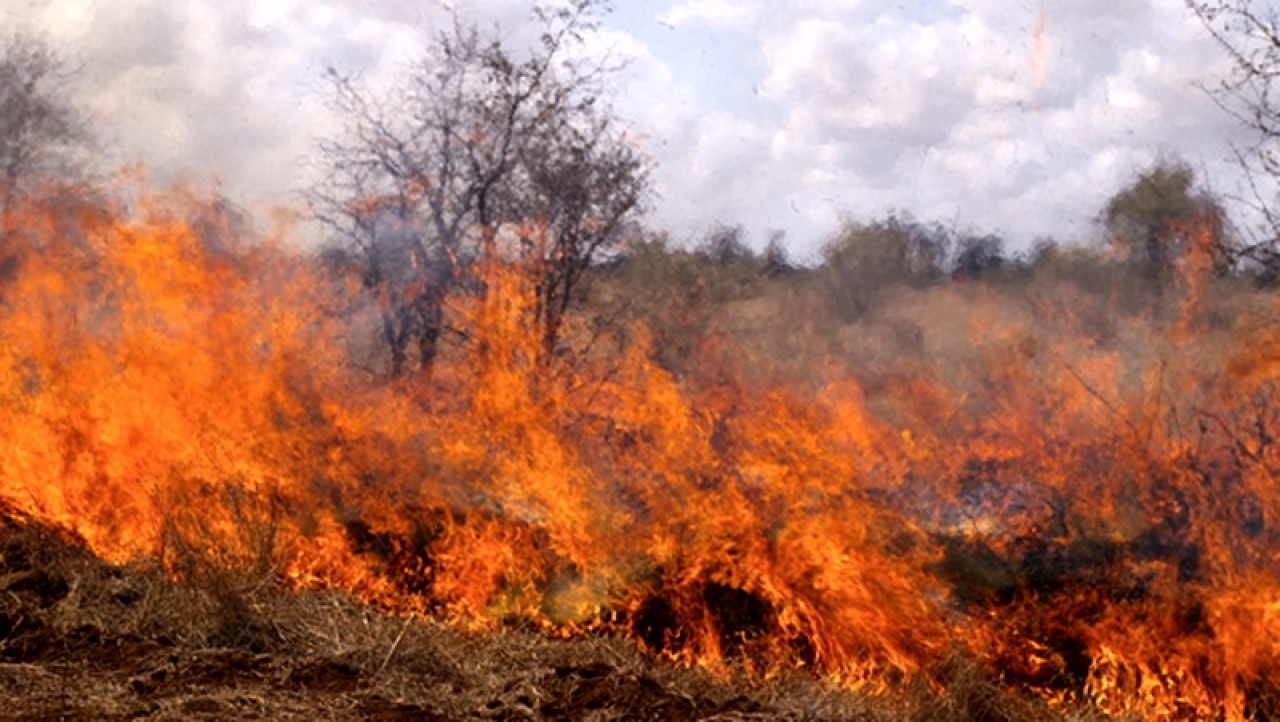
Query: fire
[1089, 526]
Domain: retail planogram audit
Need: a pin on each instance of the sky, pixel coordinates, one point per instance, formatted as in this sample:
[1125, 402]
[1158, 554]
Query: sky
[1013, 116]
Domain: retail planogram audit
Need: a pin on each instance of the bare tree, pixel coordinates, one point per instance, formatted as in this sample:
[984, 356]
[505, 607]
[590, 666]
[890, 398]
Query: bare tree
[1249, 32]
[479, 154]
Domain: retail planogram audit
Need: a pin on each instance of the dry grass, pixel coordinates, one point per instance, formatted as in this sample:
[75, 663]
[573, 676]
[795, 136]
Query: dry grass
[81, 639]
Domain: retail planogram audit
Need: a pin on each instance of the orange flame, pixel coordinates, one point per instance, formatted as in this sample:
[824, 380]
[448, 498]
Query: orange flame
[1048, 507]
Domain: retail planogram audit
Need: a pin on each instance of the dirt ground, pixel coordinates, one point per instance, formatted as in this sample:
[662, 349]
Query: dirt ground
[81, 639]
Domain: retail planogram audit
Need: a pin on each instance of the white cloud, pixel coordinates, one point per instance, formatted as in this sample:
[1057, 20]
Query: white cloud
[718, 14]
[787, 114]
[969, 112]
[229, 91]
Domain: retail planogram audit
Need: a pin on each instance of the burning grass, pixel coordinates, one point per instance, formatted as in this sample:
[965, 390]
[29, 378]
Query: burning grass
[85, 639]
[1083, 510]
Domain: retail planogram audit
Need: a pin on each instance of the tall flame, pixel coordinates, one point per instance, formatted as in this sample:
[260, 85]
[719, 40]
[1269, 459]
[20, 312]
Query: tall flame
[1088, 523]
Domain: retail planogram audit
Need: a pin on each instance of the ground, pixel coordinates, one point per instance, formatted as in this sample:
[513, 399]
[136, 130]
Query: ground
[82, 639]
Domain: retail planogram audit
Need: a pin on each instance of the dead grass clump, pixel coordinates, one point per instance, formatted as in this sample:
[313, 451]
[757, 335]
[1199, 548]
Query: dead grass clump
[82, 638]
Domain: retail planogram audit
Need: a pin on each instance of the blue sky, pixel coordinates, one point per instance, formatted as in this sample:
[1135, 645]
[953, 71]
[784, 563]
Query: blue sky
[720, 64]
[1020, 116]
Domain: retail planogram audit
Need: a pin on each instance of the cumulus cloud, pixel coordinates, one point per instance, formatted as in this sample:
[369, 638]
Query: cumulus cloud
[784, 115]
[971, 112]
[228, 92]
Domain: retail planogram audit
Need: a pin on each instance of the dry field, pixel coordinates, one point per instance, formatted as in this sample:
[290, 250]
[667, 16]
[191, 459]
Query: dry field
[724, 495]
[81, 639]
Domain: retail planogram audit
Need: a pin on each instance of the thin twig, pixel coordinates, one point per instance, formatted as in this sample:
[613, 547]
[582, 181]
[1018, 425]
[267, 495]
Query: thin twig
[1100, 398]
[396, 644]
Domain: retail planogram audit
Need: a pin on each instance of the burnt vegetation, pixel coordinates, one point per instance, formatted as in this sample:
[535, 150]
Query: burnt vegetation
[499, 450]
